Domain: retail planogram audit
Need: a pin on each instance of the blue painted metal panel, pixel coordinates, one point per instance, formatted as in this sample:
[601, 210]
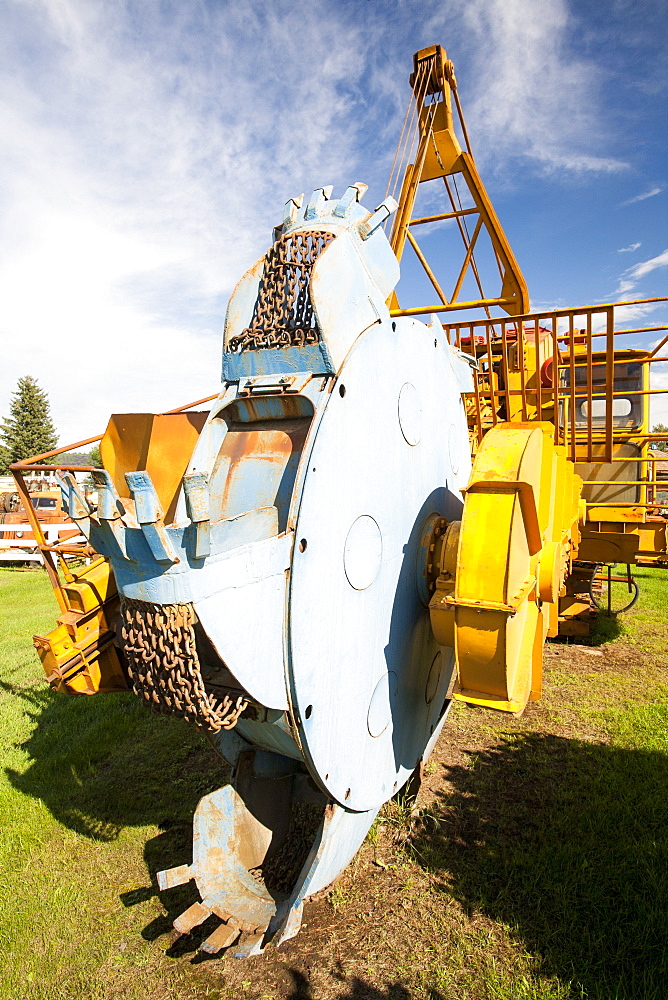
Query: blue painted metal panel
[278, 360]
[380, 458]
[271, 736]
[141, 577]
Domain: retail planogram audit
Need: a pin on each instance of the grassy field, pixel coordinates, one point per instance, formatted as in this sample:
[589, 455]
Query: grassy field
[95, 792]
[534, 866]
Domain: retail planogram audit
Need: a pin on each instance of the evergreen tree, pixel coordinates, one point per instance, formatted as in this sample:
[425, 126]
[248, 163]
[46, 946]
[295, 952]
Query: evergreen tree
[91, 457]
[660, 429]
[29, 429]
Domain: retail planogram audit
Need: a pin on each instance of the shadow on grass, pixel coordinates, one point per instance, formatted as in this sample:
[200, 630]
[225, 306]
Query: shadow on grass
[104, 763]
[356, 989]
[566, 843]
[605, 628]
[101, 764]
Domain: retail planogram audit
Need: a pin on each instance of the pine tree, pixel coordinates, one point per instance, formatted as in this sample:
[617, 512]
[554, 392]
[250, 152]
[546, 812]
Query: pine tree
[29, 429]
[660, 429]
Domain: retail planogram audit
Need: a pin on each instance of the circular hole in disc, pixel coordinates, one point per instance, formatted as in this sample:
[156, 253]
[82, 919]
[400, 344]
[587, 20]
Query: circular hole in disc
[363, 552]
[410, 413]
[382, 701]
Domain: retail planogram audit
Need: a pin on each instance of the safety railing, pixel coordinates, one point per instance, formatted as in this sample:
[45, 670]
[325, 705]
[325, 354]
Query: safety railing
[574, 368]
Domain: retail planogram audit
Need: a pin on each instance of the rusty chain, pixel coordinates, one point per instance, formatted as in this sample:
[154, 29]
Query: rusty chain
[283, 313]
[159, 642]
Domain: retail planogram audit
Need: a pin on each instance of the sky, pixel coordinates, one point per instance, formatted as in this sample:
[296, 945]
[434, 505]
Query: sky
[148, 147]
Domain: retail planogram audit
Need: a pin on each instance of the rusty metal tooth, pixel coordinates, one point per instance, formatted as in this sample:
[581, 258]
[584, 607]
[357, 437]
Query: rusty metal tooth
[222, 937]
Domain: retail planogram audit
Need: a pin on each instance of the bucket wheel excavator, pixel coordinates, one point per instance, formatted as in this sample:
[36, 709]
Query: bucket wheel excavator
[314, 567]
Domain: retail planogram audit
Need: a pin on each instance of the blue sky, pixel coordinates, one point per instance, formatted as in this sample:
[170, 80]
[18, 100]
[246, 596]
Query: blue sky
[148, 148]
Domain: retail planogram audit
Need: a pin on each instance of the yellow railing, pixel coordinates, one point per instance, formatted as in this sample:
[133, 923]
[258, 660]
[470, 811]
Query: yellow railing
[516, 360]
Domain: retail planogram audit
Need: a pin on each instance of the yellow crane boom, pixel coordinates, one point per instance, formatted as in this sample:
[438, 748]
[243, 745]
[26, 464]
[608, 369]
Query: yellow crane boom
[430, 126]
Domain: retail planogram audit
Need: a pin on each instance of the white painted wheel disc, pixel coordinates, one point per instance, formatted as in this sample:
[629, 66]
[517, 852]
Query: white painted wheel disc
[360, 643]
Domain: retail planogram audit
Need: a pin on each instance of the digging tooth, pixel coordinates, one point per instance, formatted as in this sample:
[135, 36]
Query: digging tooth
[223, 936]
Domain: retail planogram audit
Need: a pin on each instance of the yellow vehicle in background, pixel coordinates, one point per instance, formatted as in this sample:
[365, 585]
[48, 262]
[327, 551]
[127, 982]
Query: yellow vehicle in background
[18, 542]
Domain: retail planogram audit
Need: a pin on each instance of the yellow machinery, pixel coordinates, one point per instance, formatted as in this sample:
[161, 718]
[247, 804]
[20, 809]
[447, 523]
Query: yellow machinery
[566, 368]
[82, 655]
[326, 494]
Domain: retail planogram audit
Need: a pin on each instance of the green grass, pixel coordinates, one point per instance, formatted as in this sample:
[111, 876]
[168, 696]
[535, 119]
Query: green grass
[647, 623]
[95, 796]
[565, 843]
[562, 840]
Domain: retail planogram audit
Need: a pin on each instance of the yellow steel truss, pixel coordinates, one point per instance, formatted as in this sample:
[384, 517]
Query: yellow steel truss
[430, 141]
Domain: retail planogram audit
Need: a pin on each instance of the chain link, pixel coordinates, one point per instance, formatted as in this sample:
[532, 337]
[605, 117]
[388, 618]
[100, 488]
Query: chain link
[159, 642]
[283, 314]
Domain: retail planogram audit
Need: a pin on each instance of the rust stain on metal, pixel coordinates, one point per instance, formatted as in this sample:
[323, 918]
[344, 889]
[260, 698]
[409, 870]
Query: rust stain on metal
[192, 917]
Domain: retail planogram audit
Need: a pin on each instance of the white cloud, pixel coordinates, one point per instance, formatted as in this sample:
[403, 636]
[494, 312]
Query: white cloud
[632, 314]
[643, 197]
[631, 248]
[634, 274]
[143, 175]
[533, 94]
[658, 405]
